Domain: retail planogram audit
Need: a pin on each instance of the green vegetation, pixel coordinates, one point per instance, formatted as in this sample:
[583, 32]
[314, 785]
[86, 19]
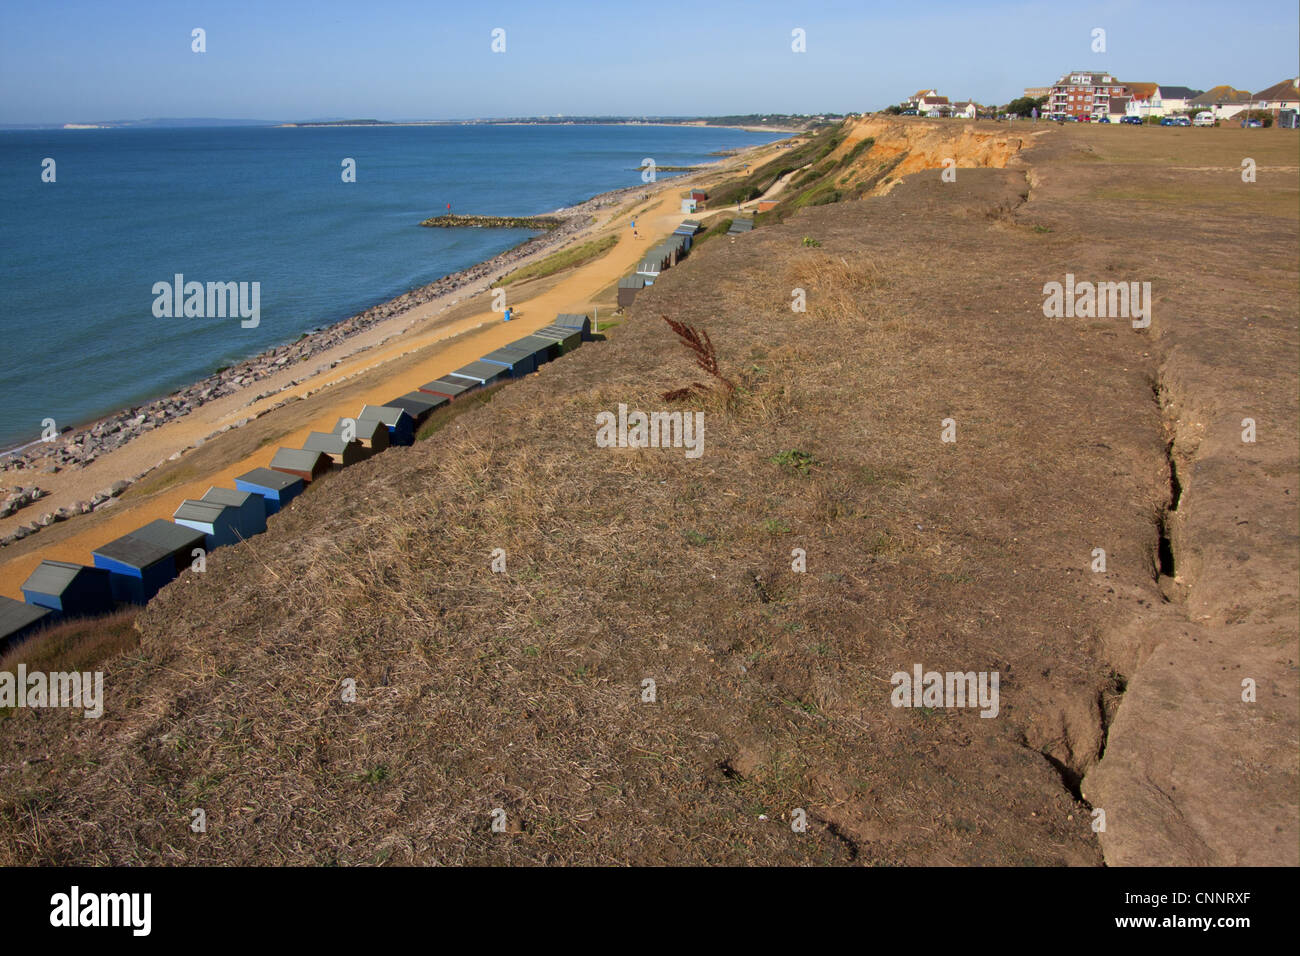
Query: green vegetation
[800, 461]
[564, 259]
[717, 229]
[760, 180]
[1024, 105]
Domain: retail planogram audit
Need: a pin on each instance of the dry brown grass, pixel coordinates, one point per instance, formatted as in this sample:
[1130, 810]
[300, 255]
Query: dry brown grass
[76, 645]
[522, 690]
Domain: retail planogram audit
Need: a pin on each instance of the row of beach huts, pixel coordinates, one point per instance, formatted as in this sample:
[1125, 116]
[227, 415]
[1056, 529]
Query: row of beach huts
[133, 568]
[667, 254]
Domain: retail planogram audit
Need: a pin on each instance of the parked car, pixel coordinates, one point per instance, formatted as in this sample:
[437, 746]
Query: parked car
[1166, 121]
[908, 113]
[1254, 123]
[1132, 120]
[1204, 118]
[1182, 121]
[1104, 119]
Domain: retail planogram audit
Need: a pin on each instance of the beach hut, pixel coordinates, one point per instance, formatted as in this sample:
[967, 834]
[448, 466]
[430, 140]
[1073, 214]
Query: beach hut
[567, 339]
[686, 234]
[688, 205]
[400, 425]
[372, 434]
[649, 269]
[73, 590]
[578, 323]
[541, 348]
[739, 226]
[766, 205]
[692, 224]
[304, 464]
[219, 523]
[18, 620]
[449, 387]
[341, 452]
[628, 287]
[485, 373]
[699, 195]
[250, 506]
[419, 405]
[141, 563]
[275, 488]
[516, 361]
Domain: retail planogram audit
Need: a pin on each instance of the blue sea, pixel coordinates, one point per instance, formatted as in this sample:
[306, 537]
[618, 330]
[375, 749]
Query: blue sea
[133, 207]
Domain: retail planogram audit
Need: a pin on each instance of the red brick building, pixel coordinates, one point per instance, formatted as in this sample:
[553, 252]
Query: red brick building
[1082, 94]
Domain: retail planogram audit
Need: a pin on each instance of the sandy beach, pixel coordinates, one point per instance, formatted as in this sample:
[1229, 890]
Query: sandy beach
[185, 456]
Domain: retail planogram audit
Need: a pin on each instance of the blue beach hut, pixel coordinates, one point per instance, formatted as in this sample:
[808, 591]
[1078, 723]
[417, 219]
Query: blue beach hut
[73, 590]
[518, 362]
[250, 506]
[579, 323]
[219, 523]
[275, 488]
[141, 563]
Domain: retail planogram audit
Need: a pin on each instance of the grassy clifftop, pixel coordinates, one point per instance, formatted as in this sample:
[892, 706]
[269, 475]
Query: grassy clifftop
[769, 686]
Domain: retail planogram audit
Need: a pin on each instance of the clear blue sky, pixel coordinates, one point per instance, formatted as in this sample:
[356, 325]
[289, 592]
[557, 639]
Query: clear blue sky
[65, 61]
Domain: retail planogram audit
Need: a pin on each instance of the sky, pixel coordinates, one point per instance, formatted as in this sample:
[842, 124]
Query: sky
[64, 61]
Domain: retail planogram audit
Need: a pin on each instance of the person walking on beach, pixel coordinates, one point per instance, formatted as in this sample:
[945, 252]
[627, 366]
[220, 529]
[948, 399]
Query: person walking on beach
[634, 234]
[509, 313]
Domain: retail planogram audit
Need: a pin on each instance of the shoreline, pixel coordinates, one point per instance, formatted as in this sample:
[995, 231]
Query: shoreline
[316, 340]
[120, 450]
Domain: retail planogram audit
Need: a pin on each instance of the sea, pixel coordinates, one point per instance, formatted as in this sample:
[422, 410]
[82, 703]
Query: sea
[130, 208]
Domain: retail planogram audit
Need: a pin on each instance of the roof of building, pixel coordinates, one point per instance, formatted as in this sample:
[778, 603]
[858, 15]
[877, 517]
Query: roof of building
[1288, 89]
[297, 459]
[390, 415]
[568, 320]
[480, 371]
[53, 577]
[1222, 94]
[205, 512]
[1142, 91]
[16, 615]
[331, 443]
[362, 427]
[228, 496]
[558, 334]
[169, 535]
[157, 540]
[1178, 92]
[269, 478]
[933, 100]
[1088, 78]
